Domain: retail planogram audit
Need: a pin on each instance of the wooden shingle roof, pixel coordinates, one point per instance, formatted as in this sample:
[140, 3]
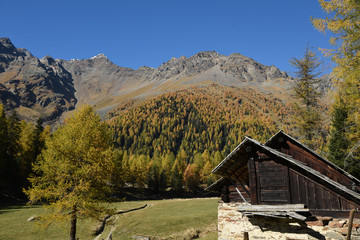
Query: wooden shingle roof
[235, 165]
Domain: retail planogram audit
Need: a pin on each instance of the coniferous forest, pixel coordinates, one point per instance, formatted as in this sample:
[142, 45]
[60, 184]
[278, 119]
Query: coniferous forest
[176, 126]
[171, 141]
[176, 139]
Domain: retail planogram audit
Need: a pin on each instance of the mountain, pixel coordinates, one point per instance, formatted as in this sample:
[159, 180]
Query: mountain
[34, 87]
[49, 87]
[101, 83]
[166, 122]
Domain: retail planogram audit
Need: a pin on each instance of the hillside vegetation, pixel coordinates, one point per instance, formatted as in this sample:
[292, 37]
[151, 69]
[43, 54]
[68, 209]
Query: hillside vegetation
[184, 134]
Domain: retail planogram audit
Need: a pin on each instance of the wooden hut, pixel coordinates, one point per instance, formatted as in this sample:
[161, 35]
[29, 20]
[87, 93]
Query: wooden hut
[284, 143]
[283, 172]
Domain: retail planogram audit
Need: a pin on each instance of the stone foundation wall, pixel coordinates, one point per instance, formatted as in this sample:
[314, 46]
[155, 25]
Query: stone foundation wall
[233, 225]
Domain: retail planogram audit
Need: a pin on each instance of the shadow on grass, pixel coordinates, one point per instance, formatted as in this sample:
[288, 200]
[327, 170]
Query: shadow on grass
[141, 194]
[8, 206]
[11, 207]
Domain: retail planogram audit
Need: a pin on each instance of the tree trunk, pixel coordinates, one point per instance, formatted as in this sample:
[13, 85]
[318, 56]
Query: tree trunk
[73, 224]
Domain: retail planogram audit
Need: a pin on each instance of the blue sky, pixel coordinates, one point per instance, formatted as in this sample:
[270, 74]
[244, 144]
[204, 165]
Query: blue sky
[136, 33]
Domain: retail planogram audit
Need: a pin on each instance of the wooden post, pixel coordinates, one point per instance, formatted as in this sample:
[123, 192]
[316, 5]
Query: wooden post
[351, 218]
[252, 181]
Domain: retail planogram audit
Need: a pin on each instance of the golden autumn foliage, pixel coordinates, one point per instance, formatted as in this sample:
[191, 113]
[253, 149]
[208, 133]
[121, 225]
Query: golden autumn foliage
[73, 172]
[344, 23]
[195, 127]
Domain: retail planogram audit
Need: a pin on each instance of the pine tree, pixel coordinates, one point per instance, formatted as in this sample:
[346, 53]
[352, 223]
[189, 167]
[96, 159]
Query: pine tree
[153, 177]
[73, 172]
[206, 172]
[344, 22]
[307, 117]
[177, 176]
[338, 143]
[38, 140]
[27, 153]
[191, 177]
[117, 176]
[12, 175]
[4, 157]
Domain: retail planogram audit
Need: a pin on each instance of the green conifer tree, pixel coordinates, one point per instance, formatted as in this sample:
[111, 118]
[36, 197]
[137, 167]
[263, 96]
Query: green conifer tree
[3, 150]
[344, 22]
[338, 143]
[307, 117]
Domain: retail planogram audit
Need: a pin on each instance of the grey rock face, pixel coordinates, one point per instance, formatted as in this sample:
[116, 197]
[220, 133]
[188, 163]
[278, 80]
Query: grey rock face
[27, 82]
[53, 86]
[236, 65]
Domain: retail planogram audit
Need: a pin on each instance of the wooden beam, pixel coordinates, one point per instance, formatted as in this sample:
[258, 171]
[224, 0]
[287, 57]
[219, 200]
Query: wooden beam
[278, 208]
[292, 215]
[252, 181]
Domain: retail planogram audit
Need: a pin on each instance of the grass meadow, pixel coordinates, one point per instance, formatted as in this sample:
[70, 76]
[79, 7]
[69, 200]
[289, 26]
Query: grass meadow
[161, 219]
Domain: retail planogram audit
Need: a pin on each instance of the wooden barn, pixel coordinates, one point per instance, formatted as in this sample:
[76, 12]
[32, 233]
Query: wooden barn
[283, 171]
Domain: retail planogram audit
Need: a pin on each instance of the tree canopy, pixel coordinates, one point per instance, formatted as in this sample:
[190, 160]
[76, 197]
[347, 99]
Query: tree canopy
[307, 117]
[344, 23]
[73, 173]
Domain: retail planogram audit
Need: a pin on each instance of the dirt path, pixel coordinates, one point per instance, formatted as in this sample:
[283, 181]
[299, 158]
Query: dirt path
[101, 228]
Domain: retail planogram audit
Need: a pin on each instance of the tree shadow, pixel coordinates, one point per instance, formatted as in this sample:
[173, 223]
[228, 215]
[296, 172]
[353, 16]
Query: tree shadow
[6, 207]
[284, 225]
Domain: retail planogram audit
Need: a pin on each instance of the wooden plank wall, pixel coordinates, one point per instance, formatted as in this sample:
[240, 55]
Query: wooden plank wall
[252, 181]
[272, 182]
[315, 196]
[312, 161]
[234, 195]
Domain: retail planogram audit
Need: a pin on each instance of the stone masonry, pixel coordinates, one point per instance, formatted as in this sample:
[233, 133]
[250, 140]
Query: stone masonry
[233, 225]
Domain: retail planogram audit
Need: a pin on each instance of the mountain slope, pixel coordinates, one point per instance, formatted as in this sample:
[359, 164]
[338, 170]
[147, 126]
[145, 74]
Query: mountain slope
[100, 82]
[164, 140]
[47, 88]
[34, 87]
[212, 118]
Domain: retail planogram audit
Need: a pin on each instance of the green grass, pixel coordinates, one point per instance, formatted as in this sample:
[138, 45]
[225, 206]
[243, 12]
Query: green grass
[14, 225]
[163, 219]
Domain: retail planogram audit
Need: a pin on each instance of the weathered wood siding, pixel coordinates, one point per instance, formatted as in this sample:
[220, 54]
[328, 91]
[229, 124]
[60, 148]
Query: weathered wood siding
[315, 196]
[312, 161]
[234, 195]
[274, 183]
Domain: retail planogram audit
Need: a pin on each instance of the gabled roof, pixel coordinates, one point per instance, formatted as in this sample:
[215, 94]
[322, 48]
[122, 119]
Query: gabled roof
[273, 140]
[236, 163]
[218, 184]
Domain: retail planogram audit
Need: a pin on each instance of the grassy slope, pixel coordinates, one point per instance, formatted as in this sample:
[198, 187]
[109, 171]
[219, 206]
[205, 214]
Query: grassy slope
[14, 225]
[165, 219]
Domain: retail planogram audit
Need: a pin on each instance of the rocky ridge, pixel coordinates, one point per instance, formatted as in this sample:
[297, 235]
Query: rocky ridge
[35, 87]
[100, 82]
[48, 87]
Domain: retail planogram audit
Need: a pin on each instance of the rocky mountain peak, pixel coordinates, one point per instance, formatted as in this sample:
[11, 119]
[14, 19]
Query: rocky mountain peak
[47, 60]
[207, 54]
[38, 87]
[100, 56]
[8, 48]
[5, 43]
[51, 86]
